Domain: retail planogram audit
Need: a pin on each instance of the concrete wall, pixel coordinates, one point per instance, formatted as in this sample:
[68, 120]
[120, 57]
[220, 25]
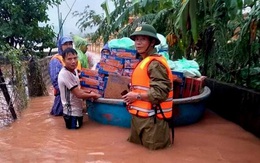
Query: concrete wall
[44, 64]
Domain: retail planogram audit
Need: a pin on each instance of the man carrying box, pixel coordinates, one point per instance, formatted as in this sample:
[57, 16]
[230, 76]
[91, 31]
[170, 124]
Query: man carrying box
[70, 92]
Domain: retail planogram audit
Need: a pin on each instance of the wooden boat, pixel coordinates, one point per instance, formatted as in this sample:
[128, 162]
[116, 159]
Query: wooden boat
[113, 111]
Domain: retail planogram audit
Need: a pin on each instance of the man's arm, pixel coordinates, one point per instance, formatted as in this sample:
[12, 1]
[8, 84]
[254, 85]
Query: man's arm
[79, 93]
[160, 84]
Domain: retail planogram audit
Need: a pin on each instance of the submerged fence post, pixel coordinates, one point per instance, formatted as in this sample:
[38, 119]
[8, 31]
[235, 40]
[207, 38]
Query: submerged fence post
[6, 95]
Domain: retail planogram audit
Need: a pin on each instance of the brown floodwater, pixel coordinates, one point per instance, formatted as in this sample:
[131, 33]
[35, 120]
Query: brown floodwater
[39, 137]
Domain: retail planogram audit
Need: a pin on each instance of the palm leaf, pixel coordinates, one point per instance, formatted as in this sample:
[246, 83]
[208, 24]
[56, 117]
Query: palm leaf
[193, 19]
[105, 7]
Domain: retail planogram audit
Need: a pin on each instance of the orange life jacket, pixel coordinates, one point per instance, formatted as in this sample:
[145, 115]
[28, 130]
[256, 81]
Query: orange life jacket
[59, 57]
[141, 83]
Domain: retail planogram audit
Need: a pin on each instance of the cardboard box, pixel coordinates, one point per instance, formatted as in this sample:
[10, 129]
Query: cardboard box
[115, 85]
[91, 81]
[103, 68]
[187, 87]
[178, 86]
[177, 90]
[123, 53]
[89, 72]
[193, 86]
[100, 86]
[179, 75]
[100, 77]
[198, 85]
[128, 72]
[112, 61]
[131, 63]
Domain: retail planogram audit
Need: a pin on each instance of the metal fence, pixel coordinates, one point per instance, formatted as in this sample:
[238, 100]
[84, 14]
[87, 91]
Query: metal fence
[12, 98]
[14, 91]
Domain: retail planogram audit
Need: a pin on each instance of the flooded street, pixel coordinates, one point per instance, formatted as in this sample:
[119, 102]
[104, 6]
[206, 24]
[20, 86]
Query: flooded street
[40, 137]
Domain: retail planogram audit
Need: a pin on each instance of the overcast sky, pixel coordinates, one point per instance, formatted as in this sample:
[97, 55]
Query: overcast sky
[70, 23]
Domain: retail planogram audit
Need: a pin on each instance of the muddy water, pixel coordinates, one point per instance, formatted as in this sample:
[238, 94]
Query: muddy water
[39, 137]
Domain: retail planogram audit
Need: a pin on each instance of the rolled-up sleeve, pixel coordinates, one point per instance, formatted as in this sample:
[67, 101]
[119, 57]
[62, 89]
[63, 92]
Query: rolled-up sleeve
[54, 69]
[160, 84]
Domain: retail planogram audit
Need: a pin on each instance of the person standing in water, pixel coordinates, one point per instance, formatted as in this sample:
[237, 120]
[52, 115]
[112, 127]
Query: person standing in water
[150, 100]
[71, 94]
[55, 65]
[81, 46]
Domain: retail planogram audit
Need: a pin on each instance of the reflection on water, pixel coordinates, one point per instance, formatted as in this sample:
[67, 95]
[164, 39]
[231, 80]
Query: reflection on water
[40, 137]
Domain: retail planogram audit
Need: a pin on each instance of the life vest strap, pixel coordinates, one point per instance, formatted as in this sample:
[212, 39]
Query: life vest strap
[168, 99]
[140, 87]
[160, 108]
[151, 112]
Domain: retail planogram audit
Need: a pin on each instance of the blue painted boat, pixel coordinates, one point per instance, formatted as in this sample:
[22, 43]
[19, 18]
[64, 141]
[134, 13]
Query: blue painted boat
[113, 111]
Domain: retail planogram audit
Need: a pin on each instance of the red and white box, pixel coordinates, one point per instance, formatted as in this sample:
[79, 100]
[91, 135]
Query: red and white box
[193, 86]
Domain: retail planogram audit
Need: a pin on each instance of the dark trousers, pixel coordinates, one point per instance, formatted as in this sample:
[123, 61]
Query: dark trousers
[73, 122]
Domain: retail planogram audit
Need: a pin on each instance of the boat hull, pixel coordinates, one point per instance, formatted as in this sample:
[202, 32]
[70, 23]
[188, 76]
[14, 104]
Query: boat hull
[113, 111]
[110, 114]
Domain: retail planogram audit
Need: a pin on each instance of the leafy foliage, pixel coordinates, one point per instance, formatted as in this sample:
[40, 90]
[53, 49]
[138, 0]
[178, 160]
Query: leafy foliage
[19, 24]
[233, 56]
[117, 22]
[216, 33]
[88, 19]
[16, 74]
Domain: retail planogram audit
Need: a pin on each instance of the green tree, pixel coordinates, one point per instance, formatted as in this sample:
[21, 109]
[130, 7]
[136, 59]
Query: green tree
[19, 23]
[88, 18]
[117, 22]
[204, 30]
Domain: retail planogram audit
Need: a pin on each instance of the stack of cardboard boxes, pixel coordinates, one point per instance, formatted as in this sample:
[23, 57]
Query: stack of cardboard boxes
[193, 86]
[119, 65]
[113, 72]
[120, 61]
[91, 80]
[190, 86]
[177, 85]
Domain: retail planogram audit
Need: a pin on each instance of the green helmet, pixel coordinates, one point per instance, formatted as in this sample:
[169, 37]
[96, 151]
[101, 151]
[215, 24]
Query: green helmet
[145, 30]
